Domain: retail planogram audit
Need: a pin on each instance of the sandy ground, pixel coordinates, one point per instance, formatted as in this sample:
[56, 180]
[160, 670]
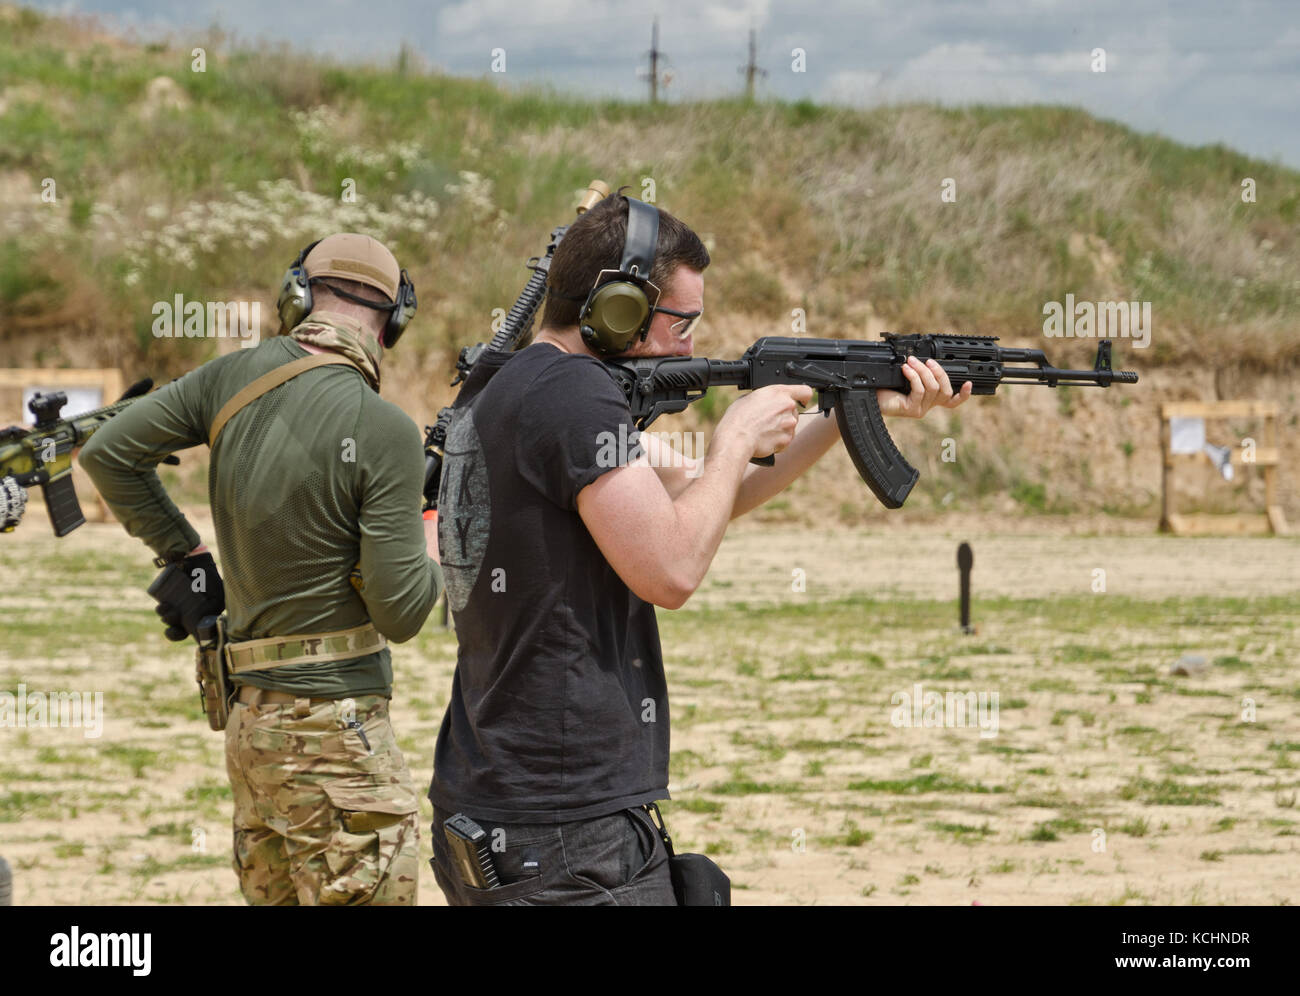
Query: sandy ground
[1108, 780]
[1050, 556]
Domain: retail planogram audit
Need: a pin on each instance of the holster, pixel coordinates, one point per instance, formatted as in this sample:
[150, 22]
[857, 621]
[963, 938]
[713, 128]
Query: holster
[697, 879]
[212, 672]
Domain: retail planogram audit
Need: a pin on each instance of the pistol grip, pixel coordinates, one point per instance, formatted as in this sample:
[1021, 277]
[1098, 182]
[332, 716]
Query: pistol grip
[877, 459]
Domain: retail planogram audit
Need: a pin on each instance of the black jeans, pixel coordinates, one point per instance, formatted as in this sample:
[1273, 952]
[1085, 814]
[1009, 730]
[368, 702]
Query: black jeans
[615, 860]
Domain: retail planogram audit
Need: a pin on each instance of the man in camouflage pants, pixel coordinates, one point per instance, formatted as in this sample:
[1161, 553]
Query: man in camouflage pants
[315, 486]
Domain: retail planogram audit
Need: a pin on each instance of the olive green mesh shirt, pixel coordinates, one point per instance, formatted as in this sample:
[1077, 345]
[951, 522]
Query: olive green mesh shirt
[311, 478]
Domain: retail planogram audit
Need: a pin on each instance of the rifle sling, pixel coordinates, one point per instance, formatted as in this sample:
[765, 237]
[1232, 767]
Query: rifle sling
[269, 380]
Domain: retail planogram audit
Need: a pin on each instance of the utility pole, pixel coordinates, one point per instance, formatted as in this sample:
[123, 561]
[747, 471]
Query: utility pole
[654, 62]
[751, 69]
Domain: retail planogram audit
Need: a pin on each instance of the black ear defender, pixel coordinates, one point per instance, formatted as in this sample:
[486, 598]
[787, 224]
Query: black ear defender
[401, 312]
[295, 300]
[621, 303]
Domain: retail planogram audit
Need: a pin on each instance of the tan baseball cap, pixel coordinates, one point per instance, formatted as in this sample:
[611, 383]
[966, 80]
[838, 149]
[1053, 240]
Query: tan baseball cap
[349, 256]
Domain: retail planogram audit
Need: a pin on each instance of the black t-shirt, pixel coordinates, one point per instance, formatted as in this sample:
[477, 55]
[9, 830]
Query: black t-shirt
[559, 707]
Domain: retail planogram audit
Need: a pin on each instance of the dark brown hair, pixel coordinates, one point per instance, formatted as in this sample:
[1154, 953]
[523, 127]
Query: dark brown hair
[595, 242]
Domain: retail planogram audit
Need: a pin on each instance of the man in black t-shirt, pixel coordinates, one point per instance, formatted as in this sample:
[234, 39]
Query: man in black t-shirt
[554, 554]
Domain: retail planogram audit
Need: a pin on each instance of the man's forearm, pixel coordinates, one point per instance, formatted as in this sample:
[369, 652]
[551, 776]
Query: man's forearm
[122, 460]
[816, 435]
[137, 499]
[702, 510]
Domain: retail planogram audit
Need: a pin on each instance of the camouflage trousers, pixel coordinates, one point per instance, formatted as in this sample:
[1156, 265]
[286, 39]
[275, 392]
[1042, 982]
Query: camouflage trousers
[325, 813]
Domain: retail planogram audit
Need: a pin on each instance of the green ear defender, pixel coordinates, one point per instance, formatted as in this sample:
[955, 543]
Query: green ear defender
[294, 303]
[620, 305]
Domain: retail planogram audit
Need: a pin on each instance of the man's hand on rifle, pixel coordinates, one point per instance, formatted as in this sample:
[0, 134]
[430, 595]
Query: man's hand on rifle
[930, 387]
[768, 417]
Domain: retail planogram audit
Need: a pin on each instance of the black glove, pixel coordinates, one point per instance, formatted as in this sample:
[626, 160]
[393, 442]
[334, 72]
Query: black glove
[188, 591]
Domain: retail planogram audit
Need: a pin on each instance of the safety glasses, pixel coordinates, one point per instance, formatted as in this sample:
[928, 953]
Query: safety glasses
[687, 323]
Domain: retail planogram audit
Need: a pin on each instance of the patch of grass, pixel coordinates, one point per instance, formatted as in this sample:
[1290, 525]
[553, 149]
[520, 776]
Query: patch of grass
[1049, 829]
[951, 674]
[1168, 792]
[683, 762]
[962, 831]
[1054, 801]
[851, 835]
[15, 805]
[802, 668]
[768, 746]
[137, 759]
[1052, 685]
[209, 792]
[1073, 653]
[933, 782]
[1032, 495]
[747, 786]
[1129, 894]
[1232, 663]
[817, 746]
[710, 806]
[1086, 718]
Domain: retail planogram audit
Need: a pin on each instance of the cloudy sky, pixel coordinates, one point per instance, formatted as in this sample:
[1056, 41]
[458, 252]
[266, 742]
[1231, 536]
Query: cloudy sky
[1199, 71]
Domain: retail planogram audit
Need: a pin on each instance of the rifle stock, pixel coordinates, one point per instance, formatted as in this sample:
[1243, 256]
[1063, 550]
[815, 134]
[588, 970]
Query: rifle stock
[511, 336]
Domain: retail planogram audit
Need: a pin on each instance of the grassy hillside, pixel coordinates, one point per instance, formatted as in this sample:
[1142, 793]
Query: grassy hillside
[207, 183]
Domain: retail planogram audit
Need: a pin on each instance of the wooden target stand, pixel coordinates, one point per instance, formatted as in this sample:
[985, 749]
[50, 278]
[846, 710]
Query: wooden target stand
[1271, 520]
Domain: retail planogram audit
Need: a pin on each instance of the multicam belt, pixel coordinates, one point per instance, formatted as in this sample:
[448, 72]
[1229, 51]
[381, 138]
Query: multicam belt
[278, 651]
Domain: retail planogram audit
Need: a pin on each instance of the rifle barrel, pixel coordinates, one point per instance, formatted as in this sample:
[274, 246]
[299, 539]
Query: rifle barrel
[1050, 375]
